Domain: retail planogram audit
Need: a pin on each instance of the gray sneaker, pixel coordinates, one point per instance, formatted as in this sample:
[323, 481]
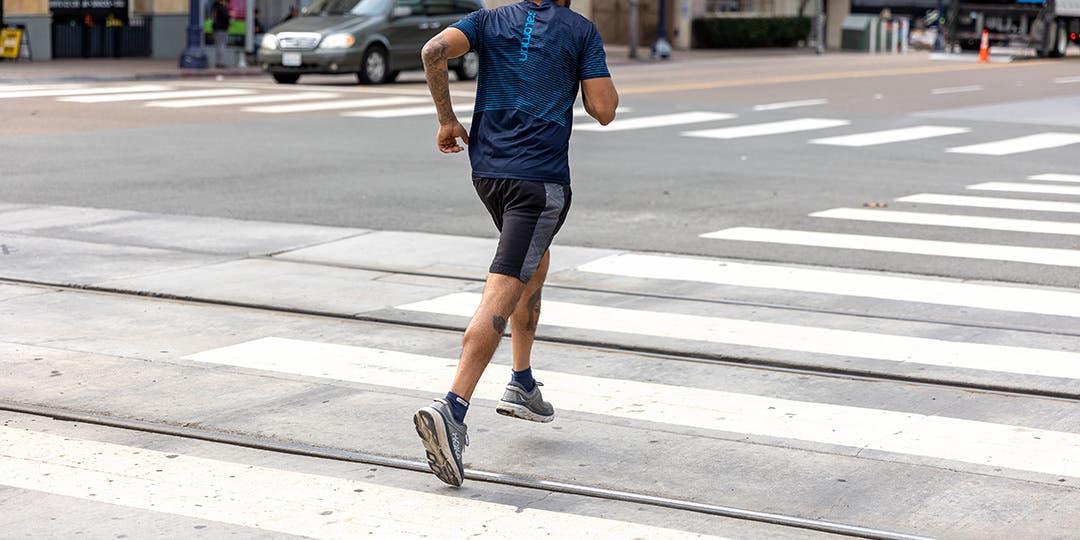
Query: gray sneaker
[518, 403]
[444, 439]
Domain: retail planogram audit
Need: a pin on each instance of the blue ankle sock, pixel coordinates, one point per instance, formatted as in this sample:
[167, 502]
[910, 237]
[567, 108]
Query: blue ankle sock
[524, 378]
[458, 406]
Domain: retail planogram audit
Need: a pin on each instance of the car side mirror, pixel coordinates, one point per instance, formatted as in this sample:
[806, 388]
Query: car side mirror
[401, 11]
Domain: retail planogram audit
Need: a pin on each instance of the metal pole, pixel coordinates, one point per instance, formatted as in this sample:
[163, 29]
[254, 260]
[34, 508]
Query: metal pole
[194, 55]
[249, 32]
[819, 26]
[873, 37]
[1, 13]
[633, 28]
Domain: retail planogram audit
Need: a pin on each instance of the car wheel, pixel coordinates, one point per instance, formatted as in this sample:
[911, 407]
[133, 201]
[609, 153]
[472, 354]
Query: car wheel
[469, 67]
[374, 68]
[287, 78]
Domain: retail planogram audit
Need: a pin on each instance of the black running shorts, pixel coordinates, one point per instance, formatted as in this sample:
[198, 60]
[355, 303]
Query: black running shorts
[527, 214]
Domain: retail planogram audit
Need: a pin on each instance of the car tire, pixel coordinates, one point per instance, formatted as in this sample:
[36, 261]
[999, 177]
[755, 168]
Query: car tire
[469, 66]
[286, 78]
[374, 66]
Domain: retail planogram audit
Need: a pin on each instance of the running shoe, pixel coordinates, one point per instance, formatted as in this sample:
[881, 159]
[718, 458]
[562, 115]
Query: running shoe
[531, 406]
[444, 439]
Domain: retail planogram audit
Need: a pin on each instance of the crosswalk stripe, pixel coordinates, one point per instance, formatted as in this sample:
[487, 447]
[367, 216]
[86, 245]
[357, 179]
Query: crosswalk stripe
[992, 202]
[146, 96]
[84, 91]
[332, 105]
[1029, 449]
[240, 100]
[662, 120]
[1018, 145]
[769, 128]
[993, 252]
[951, 220]
[890, 136]
[1027, 188]
[428, 110]
[789, 337]
[578, 113]
[282, 501]
[957, 90]
[1067, 80]
[1053, 177]
[790, 104]
[5, 88]
[845, 283]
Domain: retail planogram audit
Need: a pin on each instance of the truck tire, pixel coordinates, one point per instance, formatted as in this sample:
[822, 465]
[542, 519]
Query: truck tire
[1060, 42]
[469, 67]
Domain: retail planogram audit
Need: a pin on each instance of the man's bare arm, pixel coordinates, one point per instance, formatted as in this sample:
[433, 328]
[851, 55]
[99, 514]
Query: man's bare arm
[450, 43]
[601, 99]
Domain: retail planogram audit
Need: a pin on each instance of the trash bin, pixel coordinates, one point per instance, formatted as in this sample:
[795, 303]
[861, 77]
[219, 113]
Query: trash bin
[856, 30]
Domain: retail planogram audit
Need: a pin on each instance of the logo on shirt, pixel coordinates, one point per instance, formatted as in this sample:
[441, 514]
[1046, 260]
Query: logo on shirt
[526, 35]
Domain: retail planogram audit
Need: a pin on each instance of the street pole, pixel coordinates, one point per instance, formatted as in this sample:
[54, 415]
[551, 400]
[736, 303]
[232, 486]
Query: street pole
[249, 32]
[633, 28]
[661, 49]
[194, 55]
[819, 26]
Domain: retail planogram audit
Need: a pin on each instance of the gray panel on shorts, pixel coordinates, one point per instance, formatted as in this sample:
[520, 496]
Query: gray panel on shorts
[544, 231]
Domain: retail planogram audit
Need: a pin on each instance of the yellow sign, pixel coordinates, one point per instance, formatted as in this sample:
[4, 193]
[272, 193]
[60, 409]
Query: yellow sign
[10, 39]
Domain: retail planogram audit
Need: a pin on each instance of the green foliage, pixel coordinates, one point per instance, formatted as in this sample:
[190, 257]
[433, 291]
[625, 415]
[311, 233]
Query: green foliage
[720, 33]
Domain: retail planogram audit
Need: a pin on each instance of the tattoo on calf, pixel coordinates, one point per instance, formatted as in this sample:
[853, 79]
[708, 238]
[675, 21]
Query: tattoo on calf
[534, 310]
[499, 324]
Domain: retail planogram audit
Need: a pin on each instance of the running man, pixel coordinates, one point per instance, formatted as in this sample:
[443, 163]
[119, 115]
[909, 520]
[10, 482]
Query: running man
[533, 57]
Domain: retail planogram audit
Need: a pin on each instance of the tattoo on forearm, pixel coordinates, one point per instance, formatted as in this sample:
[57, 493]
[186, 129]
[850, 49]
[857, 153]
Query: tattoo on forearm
[534, 311]
[438, 78]
[499, 324]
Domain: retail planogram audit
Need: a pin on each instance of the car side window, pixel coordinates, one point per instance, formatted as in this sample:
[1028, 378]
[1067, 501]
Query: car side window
[435, 8]
[466, 6]
[415, 5]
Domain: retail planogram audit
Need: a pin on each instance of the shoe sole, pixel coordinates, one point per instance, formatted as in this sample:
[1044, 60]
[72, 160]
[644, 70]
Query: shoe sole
[440, 459]
[516, 410]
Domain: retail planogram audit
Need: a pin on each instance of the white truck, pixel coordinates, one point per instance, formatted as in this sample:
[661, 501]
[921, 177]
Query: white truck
[1046, 26]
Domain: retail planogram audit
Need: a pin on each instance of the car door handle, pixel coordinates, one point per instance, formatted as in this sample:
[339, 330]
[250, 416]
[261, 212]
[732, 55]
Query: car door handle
[429, 25]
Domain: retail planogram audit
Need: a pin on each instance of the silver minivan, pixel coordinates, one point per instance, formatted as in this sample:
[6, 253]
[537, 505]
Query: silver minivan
[375, 39]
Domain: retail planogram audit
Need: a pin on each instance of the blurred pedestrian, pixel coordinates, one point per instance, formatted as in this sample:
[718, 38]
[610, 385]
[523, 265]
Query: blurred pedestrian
[293, 13]
[533, 57]
[221, 19]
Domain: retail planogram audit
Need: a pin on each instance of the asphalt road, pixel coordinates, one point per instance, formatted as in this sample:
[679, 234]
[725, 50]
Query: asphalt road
[645, 189]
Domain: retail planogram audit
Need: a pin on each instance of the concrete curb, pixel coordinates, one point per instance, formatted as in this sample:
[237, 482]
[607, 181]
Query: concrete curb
[126, 77]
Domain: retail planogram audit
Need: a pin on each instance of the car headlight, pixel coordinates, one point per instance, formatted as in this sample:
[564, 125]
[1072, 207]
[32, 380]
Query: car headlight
[269, 42]
[337, 41]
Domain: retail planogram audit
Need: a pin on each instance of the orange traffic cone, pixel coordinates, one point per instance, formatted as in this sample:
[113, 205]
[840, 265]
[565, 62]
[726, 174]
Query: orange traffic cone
[984, 47]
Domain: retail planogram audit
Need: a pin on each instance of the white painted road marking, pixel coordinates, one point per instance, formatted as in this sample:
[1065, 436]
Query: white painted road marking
[277, 500]
[993, 252]
[890, 136]
[84, 91]
[663, 120]
[992, 202]
[790, 104]
[241, 100]
[956, 90]
[906, 289]
[1027, 188]
[951, 220]
[770, 128]
[982, 443]
[1018, 145]
[332, 105]
[1067, 80]
[788, 337]
[144, 96]
[1054, 177]
[407, 111]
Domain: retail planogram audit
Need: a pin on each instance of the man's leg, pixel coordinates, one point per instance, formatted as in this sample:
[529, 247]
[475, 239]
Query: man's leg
[485, 330]
[526, 315]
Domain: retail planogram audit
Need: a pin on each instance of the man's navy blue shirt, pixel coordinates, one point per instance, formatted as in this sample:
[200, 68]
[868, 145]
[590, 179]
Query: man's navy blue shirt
[532, 58]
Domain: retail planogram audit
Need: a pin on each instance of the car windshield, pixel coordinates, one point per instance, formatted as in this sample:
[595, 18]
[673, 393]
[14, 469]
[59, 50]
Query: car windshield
[345, 7]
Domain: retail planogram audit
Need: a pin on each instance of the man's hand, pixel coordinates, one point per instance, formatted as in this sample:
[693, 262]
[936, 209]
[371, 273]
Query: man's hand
[448, 135]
